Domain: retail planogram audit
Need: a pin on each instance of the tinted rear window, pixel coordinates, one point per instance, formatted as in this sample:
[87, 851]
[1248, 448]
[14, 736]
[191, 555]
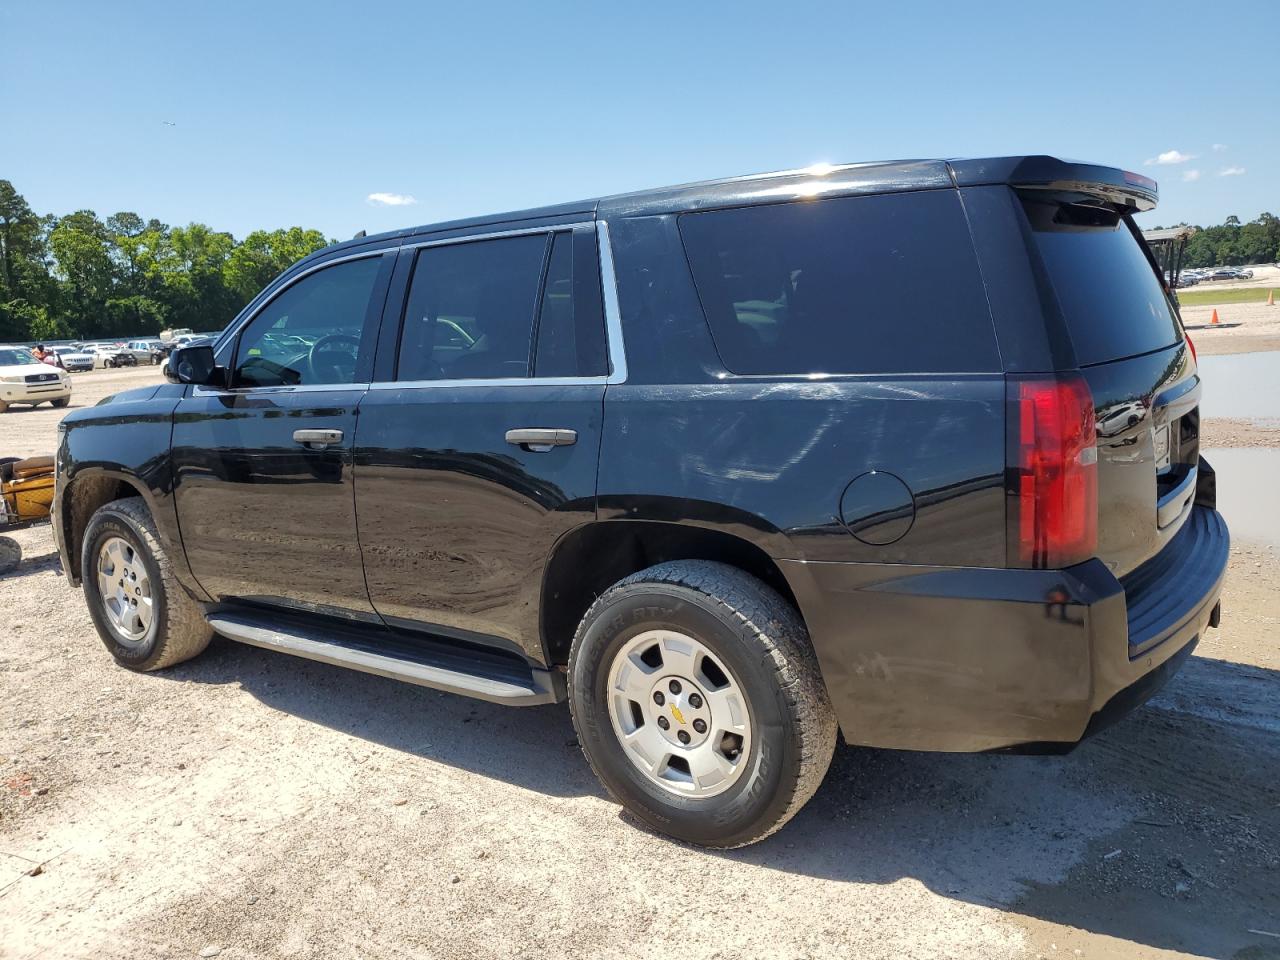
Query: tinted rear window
[1111, 297]
[883, 284]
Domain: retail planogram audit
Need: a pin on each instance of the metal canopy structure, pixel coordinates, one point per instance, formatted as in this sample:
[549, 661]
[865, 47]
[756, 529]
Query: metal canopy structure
[1167, 246]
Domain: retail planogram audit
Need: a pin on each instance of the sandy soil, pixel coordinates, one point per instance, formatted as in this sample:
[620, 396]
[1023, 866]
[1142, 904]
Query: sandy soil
[30, 431]
[259, 806]
[1244, 328]
[1229, 432]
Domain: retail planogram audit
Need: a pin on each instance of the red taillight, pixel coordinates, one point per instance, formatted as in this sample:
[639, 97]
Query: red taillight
[1192, 346]
[1053, 460]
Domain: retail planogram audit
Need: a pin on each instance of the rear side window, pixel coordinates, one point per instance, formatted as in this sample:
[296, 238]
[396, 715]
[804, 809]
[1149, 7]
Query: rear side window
[883, 284]
[471, 310]
[1114, 304]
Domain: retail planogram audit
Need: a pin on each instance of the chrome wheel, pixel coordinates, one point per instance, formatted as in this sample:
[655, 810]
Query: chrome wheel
[125, 588]
[681, 717]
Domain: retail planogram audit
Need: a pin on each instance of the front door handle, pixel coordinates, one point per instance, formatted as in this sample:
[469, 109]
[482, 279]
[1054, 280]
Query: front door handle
[543, 439]
[317, 438]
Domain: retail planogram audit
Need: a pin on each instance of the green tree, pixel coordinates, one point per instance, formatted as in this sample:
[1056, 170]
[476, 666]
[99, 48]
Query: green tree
[195, 292]
[81, 246]
[264, 255]
[23, 274]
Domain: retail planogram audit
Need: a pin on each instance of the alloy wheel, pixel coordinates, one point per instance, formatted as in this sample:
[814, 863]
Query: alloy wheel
[125, 590]
[681, 717]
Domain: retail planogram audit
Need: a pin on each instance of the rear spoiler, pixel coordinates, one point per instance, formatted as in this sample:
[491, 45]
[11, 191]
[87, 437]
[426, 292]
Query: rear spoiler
[1131, 191]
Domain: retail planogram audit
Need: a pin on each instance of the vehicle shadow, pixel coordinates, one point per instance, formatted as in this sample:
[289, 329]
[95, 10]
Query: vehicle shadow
[1161, 831]
[530, 747]
[30, 565]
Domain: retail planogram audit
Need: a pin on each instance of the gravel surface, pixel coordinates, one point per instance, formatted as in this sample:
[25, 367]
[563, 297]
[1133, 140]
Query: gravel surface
[253, 805]
[1231, 432]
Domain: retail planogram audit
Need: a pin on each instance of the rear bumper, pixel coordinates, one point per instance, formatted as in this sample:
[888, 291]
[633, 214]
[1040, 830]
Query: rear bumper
[970, 659]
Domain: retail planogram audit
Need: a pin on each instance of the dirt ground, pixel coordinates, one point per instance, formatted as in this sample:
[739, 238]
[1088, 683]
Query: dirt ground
[1241, 328]
[253, 805]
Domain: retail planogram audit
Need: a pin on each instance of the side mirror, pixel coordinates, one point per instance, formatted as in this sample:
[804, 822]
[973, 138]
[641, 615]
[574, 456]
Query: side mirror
[193, 365]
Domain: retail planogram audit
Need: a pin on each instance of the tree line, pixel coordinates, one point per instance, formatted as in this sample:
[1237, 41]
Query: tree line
[1233, 243]
[81, 277]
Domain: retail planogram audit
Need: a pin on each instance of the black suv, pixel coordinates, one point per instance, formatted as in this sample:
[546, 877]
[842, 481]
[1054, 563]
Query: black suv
[908, 450]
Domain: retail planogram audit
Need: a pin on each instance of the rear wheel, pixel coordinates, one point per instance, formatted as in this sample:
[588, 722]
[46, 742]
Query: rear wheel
[699, 702]
[60, 402]
[143, 615]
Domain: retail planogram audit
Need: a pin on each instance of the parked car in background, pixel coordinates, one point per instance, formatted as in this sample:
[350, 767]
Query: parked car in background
[709, 462]
[143, 350]
[112, 355]
[1245, 274]
[24, 379]
[1223, 273]
[74, 359]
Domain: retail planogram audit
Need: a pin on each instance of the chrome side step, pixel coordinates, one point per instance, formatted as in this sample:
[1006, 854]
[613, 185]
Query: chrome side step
[439, 665]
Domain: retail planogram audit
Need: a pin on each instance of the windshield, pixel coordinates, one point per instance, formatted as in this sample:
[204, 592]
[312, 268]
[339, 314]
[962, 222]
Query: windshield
[1111, 297]
[9, 357]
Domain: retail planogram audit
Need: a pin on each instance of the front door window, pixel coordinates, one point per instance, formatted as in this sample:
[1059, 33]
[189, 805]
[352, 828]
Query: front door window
[312, 332]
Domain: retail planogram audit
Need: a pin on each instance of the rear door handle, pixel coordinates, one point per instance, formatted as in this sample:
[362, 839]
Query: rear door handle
[541, 440]
[317, 438]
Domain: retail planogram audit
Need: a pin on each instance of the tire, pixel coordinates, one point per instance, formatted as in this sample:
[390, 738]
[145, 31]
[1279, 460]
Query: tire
[176, 629]
[4, 405]
[759, 647]
[60, 402]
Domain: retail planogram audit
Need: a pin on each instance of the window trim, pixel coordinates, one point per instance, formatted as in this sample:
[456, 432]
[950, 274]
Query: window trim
[233, 336]
[614, 348]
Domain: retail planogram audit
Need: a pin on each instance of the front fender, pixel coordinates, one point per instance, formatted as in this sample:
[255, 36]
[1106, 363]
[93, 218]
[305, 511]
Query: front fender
[118, 450]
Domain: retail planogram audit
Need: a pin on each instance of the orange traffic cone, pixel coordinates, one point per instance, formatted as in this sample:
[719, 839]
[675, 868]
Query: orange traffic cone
[1271, 298]
[1214, 318]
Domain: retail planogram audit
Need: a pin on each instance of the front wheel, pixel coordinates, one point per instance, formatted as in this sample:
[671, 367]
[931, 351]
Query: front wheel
[699, 703]
[143, 615]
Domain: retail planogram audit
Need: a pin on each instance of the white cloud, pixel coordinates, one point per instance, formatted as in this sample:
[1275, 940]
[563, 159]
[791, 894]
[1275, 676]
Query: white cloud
[1171, 156]
[1219, 147]
[1190, 176]
[391, 199]
[1231, 172]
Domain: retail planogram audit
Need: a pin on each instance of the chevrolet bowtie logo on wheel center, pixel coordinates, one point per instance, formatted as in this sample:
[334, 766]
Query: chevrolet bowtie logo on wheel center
[680, 710]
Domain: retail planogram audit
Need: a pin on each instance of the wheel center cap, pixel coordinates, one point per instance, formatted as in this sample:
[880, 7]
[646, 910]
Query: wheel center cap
[678, 707]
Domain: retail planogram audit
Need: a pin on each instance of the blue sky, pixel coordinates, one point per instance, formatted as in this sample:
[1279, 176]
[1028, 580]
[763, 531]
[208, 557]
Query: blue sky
[295, 113]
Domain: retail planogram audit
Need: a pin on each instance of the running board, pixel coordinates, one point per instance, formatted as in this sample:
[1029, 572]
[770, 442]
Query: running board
[441, 665]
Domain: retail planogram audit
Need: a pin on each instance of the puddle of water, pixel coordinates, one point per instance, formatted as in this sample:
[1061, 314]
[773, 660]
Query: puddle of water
[1247, 484]
[1242, 385]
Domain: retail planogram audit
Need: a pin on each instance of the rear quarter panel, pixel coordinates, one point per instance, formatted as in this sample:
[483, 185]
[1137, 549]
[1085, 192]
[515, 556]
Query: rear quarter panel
[769, 461]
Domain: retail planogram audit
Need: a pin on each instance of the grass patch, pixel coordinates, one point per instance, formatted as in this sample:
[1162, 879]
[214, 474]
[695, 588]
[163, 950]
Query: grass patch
[1196, 297]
